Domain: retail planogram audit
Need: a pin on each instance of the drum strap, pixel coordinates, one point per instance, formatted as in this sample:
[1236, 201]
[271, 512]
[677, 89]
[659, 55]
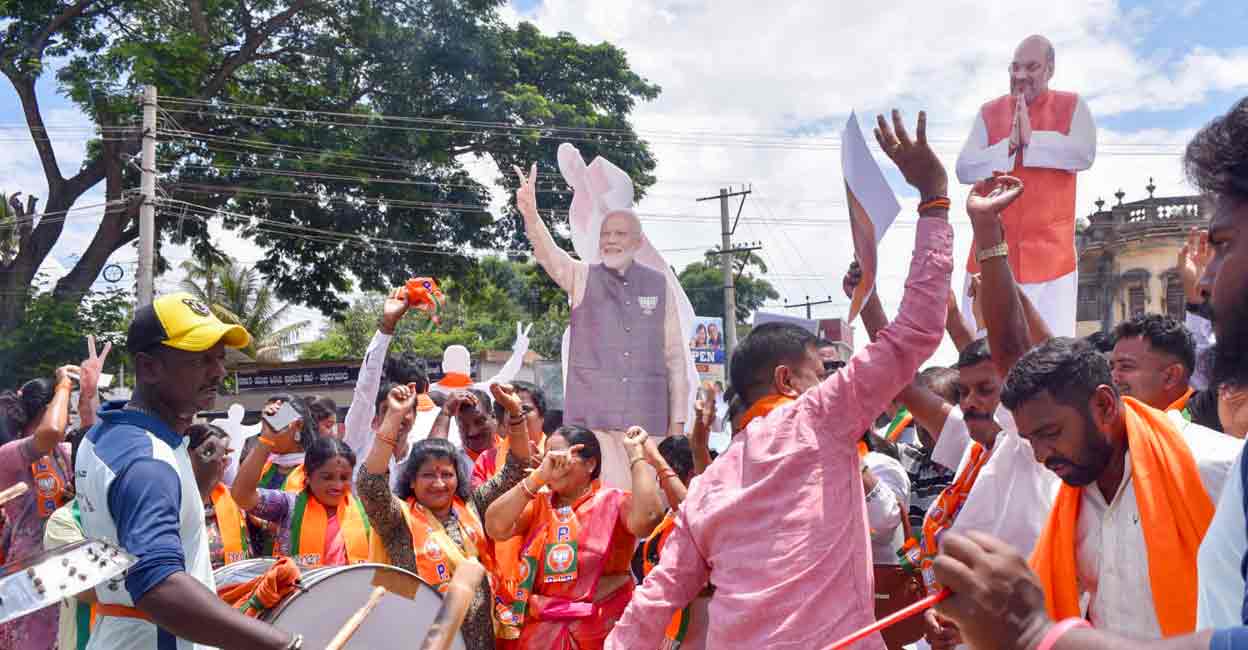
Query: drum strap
[121, 611]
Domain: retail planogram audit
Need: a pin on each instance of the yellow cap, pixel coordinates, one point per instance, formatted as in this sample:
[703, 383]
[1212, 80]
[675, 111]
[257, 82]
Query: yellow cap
[180, 321]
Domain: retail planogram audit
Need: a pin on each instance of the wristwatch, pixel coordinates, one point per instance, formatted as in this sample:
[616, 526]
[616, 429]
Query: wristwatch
[985, 254]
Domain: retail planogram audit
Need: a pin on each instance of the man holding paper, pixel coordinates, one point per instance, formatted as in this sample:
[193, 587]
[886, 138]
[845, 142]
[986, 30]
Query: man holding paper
[1043, 137]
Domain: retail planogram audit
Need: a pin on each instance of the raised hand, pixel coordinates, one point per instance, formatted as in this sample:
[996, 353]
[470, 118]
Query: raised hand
[989, 197]
[505, 394]
[1193, 260]
[458, 401]
[526, 195]
[852, 277]
[916, 160]
[402, 398]
[556, 463]
[635, 442]
[92, 367]
[67, 374]
[393, 310]
[703, 415]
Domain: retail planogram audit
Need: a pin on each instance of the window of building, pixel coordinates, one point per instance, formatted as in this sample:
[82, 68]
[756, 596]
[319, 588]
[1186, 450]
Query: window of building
[1089, 303]
[1137, 304]
[1174, 296]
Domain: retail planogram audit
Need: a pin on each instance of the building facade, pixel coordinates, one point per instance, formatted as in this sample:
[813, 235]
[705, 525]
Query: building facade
[1128, 256]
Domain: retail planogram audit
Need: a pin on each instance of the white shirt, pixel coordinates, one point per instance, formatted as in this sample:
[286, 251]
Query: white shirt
[1111, 553]
[1220, 581]
[886, 503]
[359, 421]
[1048, 149]
[1013, 494]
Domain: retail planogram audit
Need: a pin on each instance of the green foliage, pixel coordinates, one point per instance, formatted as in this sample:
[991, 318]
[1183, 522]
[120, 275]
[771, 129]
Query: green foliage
[432, 60]
[703, 282]
[481, 312]
[54, 333]
[239, 294]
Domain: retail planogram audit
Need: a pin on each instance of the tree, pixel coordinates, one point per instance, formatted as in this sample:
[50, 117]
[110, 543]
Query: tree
[703, 282]
[54, 333]
[481, 312]
[239, 294]
[328, 197]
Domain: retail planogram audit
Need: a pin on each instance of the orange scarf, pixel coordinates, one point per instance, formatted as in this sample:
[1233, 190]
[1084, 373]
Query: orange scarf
[437, 555]
[262, 593]
[455, 380]
[1174, 508]
[425, 403]
[231, 524]
[309, 522]
[764, 406]
[294, 481]
[1181, 403]
[922, 552]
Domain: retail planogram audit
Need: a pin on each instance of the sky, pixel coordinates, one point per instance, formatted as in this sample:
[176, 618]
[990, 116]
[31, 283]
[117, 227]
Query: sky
[756, 94]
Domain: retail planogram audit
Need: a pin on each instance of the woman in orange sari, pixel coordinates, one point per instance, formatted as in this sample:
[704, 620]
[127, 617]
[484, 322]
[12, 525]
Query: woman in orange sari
[578, 540]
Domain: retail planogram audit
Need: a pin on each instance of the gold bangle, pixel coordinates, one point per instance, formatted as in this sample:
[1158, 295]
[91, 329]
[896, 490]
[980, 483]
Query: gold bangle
[635, 461]
[985, 254]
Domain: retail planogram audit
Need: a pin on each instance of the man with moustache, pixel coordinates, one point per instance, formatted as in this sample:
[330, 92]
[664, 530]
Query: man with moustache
[626, 355]
[1043, 137]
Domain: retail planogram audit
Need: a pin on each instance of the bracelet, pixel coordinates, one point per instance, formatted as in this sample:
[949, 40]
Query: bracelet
[513, 420]
[668, 474]
[393, 442]
[265, 441]
[938, 203]
[524, 485]
[634, 461]
[1056, 632]
[985, 254]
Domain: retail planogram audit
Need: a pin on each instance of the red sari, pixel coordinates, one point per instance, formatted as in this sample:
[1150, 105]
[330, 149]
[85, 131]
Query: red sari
[559, 613]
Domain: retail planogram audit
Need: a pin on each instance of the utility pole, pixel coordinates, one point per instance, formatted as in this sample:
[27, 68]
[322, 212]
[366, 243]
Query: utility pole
[808, 304]
[145, 285]
[725, 254]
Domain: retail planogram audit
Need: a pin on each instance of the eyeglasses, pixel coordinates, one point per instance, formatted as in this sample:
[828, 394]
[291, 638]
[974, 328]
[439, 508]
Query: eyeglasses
[832, 366]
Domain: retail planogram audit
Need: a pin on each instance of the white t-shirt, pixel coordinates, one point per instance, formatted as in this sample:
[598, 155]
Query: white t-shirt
[887, 503]
[1220, 581]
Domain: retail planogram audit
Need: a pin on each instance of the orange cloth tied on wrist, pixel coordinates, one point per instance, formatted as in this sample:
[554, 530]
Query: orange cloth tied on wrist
[1174, 509]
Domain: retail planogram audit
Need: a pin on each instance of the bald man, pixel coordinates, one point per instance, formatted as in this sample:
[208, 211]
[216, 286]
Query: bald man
[1044, 137]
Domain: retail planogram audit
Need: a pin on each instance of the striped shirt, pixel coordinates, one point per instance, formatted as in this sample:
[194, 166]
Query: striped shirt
[927, 480]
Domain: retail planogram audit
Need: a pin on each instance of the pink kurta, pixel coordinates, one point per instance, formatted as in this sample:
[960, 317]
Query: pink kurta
[778, 522]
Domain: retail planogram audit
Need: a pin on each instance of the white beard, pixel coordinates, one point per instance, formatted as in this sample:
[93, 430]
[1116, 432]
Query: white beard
[616, 261]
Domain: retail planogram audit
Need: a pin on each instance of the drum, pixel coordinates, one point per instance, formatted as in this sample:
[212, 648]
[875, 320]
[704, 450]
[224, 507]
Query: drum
[330, 595]
[44, 579]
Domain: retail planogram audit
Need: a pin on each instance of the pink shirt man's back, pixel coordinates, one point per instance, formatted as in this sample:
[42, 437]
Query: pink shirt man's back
[777, 524]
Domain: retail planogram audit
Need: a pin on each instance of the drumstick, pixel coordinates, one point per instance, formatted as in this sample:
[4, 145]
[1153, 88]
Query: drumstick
[348, 629]
[13, 491]
[892, 619]
[454, 606]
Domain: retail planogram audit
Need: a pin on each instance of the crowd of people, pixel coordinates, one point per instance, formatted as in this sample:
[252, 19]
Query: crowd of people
[1047, 483]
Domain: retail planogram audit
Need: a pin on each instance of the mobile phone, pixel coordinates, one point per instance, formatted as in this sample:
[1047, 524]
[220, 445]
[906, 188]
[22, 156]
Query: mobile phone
[282, 419]
[105, 380]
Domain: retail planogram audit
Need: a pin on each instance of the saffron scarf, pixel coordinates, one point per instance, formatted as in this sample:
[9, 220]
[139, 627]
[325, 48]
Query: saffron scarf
[1174, 509]
[309, 522]
[922, 552]
[437, 555]
[295, 481]
[231, 523]
[764, 406]
[455, 380]
[1180, 405]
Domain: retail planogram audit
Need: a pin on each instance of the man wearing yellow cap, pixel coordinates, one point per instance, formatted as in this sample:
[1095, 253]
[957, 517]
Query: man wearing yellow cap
[135, 488]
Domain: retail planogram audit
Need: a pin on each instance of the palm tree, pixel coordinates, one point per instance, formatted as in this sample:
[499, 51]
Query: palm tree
[238, 294]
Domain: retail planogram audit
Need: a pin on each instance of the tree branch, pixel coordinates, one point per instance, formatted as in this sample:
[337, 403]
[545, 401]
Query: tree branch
[40, 40]
[25, 88]
[198, 21]
[245, 54]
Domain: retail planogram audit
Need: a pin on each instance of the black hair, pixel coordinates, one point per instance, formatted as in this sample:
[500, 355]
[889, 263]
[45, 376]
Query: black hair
[12, 416]
[322, 406]
[1163, 333]
[310, 430]
[1216, 160]
[821, 343]
[552, 420]
[974, 354]
[383, 392]
[486, 402]
[534, 392]
[423, 451]
[322, 450]
[35, 395]
[1203, 407]
[678, 453]
[1103, 342]
[1068, 369]
[769, 345]
[199, 432]
[881, 445]
[578, 435]
[940, 380]
[407, 368]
